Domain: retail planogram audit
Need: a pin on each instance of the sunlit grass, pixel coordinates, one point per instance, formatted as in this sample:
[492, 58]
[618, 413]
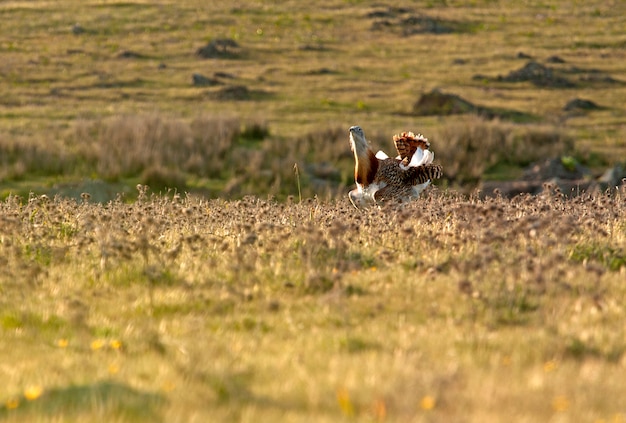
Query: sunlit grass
[180, 307]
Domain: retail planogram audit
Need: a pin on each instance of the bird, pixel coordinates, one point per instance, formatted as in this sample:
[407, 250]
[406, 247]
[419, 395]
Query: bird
[380, 178]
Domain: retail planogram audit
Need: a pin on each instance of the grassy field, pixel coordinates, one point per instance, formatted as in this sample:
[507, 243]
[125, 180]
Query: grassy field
[183, 309]
[75, 74]
[243, 308]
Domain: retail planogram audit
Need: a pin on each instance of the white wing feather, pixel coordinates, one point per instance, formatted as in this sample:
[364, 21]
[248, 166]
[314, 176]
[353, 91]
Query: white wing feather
[381, 155]
[421, 157]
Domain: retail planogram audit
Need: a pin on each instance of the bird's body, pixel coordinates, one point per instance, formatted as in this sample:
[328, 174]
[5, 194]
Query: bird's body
[380, 178]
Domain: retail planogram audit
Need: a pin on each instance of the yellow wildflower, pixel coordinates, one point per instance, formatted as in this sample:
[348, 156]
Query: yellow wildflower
[560, 403]
[115, 344]
[428, 402]
[343, 398]
[33, 392]
[113, 369]
[168, 386]
[97, 344]
[12, 403]
[549, 366]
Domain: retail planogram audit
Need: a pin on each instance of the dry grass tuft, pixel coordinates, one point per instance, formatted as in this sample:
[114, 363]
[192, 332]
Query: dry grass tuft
[20, 158]
[128, 145]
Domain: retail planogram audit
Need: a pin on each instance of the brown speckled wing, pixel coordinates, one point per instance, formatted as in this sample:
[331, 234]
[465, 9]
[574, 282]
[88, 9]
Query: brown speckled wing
[390, 172]
[419, 175]
[398, 183]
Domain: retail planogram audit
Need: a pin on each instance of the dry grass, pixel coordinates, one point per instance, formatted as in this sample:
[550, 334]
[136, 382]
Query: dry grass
[182, 309]
[221, 156]
[306, 69]
[179, 308]
[473, 147]
[129, 145]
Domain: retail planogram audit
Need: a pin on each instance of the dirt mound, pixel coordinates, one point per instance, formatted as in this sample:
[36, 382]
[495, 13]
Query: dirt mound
[403, 22]
[200, 80]
[439, 103]
[219, 49]
[129, 54]
[553, 77]
[426, 25]
[539, 75]
[579, 104]
[555, 59]
[389, 12]
[233, 92]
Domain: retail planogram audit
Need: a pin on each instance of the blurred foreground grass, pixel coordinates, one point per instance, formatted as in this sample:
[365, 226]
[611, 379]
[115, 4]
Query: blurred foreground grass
[183, 309]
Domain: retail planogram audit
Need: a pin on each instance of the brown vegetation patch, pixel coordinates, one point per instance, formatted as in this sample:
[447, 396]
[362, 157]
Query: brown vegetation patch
[19, 158]
[128, 145]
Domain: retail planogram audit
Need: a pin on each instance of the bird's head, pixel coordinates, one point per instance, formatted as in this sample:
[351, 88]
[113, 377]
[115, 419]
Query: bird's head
[358, 143]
